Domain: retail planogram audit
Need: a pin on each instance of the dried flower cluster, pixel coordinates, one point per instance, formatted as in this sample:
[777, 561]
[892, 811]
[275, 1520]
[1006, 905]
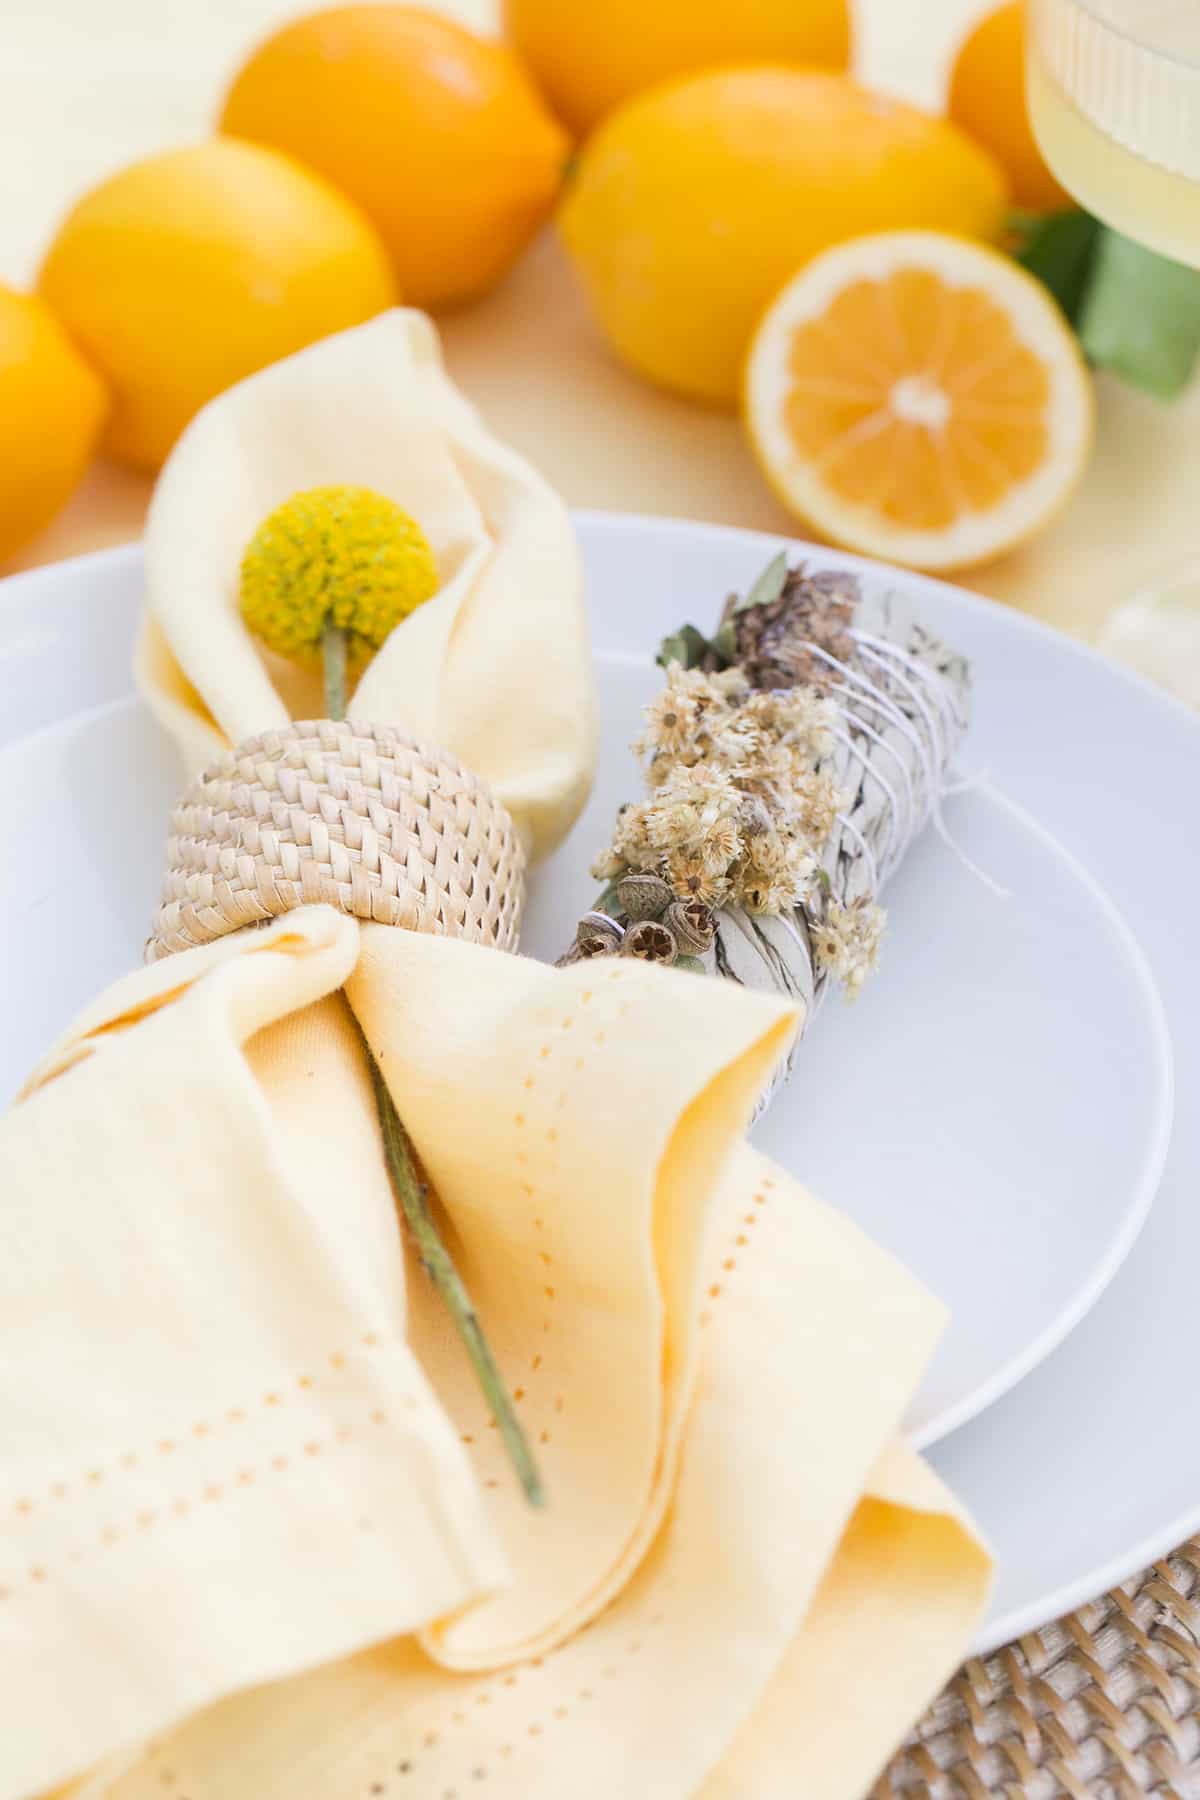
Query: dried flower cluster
[740, 804]
[846, 940]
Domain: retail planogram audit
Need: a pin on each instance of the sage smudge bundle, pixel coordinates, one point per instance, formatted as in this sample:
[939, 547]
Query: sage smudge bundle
[791, 760]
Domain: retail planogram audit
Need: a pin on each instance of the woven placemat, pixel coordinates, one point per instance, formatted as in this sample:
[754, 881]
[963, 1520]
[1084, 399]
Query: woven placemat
[1104, 1703]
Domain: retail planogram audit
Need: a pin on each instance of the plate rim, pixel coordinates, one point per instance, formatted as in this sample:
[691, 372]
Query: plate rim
[1150, 1177]
[606, 517]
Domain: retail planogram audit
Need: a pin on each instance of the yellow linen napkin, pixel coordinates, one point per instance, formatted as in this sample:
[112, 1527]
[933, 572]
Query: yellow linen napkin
[626, 1247]
[206, 1383]
[495, 668]
[327, 1584]
[883, 1635]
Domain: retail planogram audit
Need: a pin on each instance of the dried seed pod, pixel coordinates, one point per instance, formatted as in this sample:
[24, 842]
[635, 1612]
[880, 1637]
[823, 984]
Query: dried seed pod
[597, 945]
[692, 925]
[643, 896]
[598, 935]
[650, 941]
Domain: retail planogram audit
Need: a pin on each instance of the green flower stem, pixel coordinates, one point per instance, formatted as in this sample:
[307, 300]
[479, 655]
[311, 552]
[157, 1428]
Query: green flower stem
[412, 1196]
[333, 654]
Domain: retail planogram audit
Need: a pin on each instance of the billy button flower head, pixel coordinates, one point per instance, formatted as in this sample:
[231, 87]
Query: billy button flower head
[327, 577]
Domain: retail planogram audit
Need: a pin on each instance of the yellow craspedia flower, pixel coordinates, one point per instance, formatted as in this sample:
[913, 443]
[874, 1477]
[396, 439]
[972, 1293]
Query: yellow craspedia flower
[343, 556]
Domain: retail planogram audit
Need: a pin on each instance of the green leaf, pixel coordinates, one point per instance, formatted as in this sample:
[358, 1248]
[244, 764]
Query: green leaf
[1059, 248]
[687, 646]
[725, 642]
[769, 585]
[1140, 316]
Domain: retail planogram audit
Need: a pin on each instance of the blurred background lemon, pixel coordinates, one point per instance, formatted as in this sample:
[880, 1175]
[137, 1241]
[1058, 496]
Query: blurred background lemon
[190, 270]
[589, 58]
[693, 204]
[52, 407]
[987, 98]
[81, 103]
[438, 134]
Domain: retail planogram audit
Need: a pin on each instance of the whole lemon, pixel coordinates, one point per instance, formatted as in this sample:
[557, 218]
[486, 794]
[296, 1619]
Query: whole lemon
[186, 272]
[588, 59]
[693, 204]
[439, 135]
[987, 98]
[52, 407]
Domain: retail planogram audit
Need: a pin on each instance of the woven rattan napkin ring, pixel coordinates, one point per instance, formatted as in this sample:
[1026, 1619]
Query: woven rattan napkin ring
[352, 814]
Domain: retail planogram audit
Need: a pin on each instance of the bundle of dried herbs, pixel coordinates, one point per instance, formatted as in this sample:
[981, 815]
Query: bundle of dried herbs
[790, 760]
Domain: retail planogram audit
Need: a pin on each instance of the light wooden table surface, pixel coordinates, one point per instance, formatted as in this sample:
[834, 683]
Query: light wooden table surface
[86, 85]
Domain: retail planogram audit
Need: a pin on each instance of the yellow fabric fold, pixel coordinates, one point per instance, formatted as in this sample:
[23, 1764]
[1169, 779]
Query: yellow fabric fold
[710, 1364]
[581, 1230]
[885, 1632]
[495, 668]
[223, 1461]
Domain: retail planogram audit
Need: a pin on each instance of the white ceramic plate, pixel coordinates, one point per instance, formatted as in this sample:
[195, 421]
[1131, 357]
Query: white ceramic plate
[921, 1111]
[645, 575]
[1003, 1133]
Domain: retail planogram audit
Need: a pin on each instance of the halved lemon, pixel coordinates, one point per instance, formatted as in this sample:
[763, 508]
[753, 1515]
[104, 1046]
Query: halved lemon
[920, 398]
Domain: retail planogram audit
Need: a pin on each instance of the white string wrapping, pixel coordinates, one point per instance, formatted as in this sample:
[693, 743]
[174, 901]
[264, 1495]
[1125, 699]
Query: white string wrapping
[904, 702]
